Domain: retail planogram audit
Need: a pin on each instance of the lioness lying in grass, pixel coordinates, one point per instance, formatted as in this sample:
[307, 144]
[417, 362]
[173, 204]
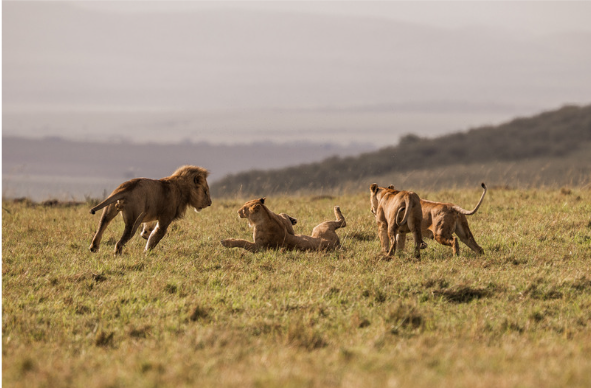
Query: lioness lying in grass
[272, 231]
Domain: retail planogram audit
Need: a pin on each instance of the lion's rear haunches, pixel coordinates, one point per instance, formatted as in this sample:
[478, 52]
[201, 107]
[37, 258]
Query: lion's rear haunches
[143, 200]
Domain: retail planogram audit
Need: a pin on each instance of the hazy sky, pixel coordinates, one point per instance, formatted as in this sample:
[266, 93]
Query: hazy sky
[536, 17]
[360, 74]
[326, 71]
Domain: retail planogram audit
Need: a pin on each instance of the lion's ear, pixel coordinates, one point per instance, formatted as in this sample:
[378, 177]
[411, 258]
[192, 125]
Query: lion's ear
[373, 188]
[262, 200]
[196, 179]
[391, 187]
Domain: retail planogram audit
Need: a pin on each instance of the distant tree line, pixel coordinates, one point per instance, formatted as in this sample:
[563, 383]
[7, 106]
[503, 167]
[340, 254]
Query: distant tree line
[550, 134]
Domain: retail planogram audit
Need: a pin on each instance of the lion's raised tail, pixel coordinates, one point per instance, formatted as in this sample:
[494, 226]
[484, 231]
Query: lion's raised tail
[469, 213]
[117, 194]
[112, 198]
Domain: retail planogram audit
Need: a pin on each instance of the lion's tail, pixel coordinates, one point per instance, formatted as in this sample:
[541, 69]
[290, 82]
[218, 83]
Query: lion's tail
[112, 198]
[469, 213]
[407, 208]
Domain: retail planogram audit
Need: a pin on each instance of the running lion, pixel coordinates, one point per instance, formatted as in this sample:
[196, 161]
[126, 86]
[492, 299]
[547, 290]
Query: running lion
[142, 200]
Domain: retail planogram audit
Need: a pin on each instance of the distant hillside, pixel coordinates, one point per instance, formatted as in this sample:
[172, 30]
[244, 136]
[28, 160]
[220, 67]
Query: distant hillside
[548, 136]
[57, 168]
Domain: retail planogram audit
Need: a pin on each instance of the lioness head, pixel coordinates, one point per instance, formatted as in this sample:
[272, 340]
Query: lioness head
[194, 179]
[376, 195]
[251, 208]
[373, 198]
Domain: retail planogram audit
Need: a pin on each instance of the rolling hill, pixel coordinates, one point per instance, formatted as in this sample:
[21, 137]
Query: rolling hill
[553, 147]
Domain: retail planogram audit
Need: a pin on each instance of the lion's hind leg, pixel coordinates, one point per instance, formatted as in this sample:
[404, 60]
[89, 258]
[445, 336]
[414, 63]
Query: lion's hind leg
[392, 232]
[415, 228]
[132, 223]
[107, 216]
[330, 226]
[443, 228]
[450, 242]
[340, 218]
[401, 241]
[338, 223]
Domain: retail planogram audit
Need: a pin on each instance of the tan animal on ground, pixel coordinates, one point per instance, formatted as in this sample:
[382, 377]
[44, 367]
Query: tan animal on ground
[441, 220]
[144, 200]
[147, 229]
[272, 231]
[389, 205]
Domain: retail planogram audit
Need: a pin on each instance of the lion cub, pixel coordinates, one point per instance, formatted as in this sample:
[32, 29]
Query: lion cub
[272, 231]
[388, 205]
[144, 200]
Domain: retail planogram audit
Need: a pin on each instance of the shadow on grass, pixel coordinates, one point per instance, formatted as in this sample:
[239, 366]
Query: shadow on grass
[461, 294]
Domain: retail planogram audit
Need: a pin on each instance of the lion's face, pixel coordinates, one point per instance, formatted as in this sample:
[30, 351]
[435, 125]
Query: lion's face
[251, 209]
[193, 181]
[373, 198]
[376, 193]
[200, 198]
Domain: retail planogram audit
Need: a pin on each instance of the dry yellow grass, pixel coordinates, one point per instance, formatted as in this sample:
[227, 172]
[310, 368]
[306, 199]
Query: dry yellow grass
[193, 313]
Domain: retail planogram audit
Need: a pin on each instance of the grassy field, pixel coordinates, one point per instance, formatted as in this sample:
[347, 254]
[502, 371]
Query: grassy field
[193, 313]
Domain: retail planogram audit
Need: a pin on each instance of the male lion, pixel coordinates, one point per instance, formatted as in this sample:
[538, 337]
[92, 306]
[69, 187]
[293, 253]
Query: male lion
[387, 205]
[441, 220]
[271, 230]
[144, 200]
